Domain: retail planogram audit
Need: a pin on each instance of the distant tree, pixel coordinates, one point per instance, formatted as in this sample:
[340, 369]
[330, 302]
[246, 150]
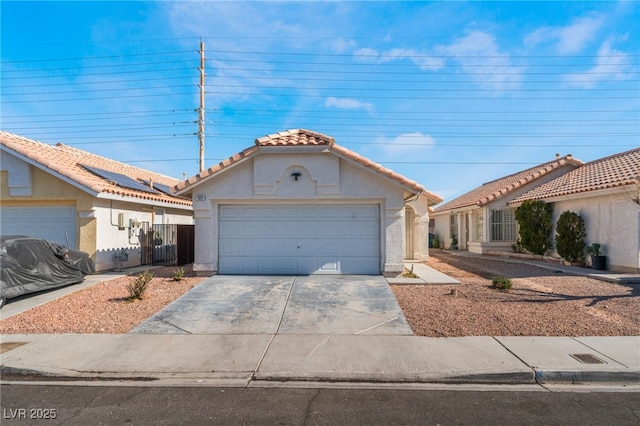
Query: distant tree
[535, 220]
[570, 234]
[632, 192]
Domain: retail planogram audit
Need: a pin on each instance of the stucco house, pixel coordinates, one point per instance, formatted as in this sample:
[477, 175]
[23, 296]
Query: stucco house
[483, 220]
[84, 201]
[605, 193]
[297, 203]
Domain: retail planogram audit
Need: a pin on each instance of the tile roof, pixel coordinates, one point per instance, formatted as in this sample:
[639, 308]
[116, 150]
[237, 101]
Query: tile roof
[67, 161]
[294, 138]
[303, 137]
[498, 188]
[609, 172]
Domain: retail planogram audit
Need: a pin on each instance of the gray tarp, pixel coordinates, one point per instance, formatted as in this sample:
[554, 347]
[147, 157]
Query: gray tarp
[32, 264]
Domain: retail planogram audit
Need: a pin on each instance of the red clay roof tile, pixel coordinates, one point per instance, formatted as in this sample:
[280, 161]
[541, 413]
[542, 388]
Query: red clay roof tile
[67, 161]
[498, 188]
[609, 172]
[303, 137]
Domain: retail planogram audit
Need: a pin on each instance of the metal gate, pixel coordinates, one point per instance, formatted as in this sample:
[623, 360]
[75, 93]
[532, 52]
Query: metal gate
[166, 244]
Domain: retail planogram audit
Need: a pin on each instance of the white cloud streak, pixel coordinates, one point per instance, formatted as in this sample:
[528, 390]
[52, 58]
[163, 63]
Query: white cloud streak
[569, 39]
[610, 64]
[490, 67]
[423, 60]
[348, 103]
[407, 143]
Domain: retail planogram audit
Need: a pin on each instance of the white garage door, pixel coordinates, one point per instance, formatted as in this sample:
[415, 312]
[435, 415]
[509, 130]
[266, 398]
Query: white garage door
[299, 240]
[57, 224]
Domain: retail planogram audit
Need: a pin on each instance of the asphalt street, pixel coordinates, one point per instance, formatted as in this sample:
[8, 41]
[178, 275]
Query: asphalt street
[39, 404]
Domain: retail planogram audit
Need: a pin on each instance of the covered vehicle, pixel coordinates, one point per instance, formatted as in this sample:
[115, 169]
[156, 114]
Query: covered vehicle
[30, 264]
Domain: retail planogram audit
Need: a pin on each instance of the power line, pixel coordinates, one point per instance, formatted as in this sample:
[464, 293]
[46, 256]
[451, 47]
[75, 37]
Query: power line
[328, 55]
[86, 58]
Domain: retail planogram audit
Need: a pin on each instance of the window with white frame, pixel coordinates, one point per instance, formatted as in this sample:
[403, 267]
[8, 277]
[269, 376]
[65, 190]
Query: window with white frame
[503, 225]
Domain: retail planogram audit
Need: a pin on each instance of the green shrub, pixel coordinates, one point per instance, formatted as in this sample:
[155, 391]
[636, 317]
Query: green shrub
[570, 234]
[535, 219]
[139, 286]
[517, 247]
[178, 274]
[594, 249]
[502, 283]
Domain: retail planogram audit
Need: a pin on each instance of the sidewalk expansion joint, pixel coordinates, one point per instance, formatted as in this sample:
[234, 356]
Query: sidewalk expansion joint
[273, 336]
[535, 375]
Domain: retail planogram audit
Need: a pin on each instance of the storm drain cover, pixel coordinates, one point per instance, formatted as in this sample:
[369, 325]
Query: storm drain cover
[587, 359]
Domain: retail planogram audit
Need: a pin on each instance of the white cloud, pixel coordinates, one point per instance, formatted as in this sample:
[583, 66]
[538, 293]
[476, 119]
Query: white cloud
[406, 143]
[348, 103]
[610, 64]
[422, 60]
[341, 45]
[366, 54]
[569, 39]
[479, 55]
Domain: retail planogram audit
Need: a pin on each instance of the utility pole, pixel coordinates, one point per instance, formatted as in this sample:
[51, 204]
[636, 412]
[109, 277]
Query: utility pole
[201, 109]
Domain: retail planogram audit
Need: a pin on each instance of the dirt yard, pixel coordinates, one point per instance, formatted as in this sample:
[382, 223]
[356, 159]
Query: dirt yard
[541, 303]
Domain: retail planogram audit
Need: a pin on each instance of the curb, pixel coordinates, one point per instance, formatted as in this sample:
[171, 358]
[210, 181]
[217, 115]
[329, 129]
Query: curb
[587, 377]
[541, 377]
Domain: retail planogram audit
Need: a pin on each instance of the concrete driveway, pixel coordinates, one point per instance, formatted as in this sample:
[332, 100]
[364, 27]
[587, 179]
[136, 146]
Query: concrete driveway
[316, 304]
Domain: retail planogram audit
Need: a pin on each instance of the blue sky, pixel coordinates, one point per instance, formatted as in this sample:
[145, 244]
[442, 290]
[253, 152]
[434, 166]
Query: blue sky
[451, 94]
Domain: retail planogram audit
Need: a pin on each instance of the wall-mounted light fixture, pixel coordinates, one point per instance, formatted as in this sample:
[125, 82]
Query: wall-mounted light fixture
[296, 175]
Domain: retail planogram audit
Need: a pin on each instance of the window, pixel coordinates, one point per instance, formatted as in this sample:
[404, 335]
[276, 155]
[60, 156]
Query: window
[453, 226]
[503, 225]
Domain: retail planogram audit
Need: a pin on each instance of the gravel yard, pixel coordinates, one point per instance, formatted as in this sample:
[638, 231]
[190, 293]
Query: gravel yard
[541, 303]
[103, 307]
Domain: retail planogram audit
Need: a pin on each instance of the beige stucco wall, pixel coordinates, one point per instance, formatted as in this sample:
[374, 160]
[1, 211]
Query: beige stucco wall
[611, 220]
[324, 179]
[47, 191]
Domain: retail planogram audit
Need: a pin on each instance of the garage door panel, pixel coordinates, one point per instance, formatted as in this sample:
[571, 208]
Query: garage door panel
[299, 239]
[57, 224]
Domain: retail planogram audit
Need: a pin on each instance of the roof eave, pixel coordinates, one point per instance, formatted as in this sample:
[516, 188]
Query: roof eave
[577, 194]
[208, 174]
[50, 171]
[145, 201]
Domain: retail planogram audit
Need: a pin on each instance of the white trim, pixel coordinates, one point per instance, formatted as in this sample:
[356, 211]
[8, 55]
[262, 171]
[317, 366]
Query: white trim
[142, 201]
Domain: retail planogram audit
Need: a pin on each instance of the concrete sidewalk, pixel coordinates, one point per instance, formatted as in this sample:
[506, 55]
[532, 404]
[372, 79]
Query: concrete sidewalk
[425, 274]
[238, 360]
[244, 359]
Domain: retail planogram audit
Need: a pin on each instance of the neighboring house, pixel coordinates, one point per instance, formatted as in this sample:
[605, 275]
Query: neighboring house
[298, 203]
[605, 193]
[83, 200]
[482, 220]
